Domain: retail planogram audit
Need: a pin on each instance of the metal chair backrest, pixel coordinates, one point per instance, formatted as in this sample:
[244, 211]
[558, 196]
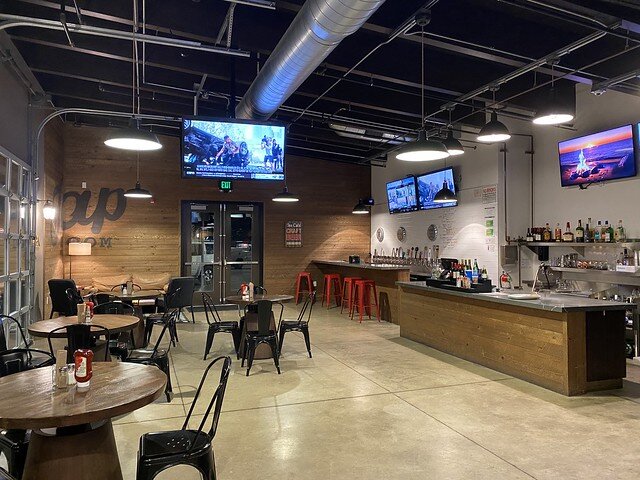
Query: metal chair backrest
[136, 287]
[184, 285]
[115, 308]
[13, 361]
[265, 308]
[60, 301]
[216, 400]
[79, 336]
[307, 306]
[210, 310]
[169, 321]
[3, 339]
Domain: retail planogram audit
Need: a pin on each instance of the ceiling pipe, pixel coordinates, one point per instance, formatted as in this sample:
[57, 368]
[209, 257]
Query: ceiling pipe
[315, 32]
[20, 21]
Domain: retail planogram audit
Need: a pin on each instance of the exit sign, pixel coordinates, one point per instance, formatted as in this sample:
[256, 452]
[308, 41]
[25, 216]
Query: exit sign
[225, 185]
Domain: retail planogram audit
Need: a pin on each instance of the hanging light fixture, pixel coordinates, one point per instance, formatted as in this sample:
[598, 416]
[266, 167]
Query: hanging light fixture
[49, 210]
[132, 138]
[553, 110]
[285, 196]
[494, 130]
[138, 191]
[452, 144]
[360, 208]
[423, 149]
[445, 195]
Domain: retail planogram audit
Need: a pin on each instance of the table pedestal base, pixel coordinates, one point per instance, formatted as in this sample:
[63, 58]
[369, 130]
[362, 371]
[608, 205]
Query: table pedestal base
[91, 453]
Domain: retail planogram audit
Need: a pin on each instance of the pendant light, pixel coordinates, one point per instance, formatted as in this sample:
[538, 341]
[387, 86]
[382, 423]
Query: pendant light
[132, 138]
[285, 196]
[138, 191]
[445, 194]
[360, 208]
[553, 111]
[452, 144]
[423, 149]
[494, 130]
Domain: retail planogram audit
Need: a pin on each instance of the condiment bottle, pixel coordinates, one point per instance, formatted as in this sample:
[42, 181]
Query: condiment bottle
[84, 367]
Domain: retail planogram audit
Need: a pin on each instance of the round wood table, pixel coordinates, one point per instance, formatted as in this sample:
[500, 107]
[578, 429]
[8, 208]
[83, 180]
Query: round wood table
[115, 324]
[82, 445]
[263, 351]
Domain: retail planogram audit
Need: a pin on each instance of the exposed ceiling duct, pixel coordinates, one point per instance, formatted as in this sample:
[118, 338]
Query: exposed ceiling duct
[317, 29]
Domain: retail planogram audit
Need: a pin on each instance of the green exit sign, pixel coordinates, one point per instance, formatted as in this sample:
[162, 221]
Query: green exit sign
[225, 185]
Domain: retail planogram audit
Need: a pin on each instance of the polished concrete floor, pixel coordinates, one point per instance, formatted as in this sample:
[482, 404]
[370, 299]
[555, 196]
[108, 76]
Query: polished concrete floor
[371, 405]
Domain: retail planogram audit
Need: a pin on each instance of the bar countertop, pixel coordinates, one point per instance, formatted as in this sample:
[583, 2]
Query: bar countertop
[368, 266]
[552, 302]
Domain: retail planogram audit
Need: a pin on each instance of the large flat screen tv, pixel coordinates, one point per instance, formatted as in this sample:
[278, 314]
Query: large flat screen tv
[224, 148]
[607, 155]
[401, 195]
[431, 183]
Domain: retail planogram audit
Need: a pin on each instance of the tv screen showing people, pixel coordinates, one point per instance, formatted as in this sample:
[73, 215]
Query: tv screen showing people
[401, 195]
[607, 155]
[431, 183]
[232, 149]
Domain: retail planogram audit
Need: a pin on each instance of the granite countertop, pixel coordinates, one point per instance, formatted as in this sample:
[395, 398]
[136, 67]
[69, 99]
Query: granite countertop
[369, 266]
[553, 302]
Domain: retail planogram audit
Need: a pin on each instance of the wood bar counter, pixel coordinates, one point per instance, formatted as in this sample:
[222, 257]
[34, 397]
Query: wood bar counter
[384, 275]
[567, 344]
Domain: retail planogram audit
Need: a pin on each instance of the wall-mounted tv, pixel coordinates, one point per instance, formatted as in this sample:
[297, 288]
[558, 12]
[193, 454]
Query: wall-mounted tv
[607, 155]
[431, 183]
[401, 195]
[225, 148]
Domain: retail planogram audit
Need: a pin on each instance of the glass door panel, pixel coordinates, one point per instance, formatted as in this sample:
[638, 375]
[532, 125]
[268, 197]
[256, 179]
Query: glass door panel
[243, 246]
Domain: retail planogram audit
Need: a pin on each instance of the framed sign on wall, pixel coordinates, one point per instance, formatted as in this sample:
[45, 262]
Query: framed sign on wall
[293, 234]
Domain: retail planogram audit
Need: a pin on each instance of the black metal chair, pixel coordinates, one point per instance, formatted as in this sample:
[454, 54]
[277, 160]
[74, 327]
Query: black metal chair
[162, 450]
[264, 334]
[14, 443]
[81, 335]
[157, 356]
[299, 325]
[4, 475]
[186, 286]
[159, 319]
[216, 325]
[30, 357]
[118, 343]
[114, 308]
[136, 287]
[61, 303]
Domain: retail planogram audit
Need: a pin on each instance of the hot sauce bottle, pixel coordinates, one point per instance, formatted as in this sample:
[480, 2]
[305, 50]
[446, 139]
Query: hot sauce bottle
[84, 367]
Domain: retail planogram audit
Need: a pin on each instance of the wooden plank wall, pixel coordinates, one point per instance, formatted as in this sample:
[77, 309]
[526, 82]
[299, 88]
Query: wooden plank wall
[146, 239]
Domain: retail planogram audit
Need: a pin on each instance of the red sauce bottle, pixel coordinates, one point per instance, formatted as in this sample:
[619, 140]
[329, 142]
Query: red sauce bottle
[83, 359]
[90, 305]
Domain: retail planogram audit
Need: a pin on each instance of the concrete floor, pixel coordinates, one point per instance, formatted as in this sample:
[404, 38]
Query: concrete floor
[371, 405]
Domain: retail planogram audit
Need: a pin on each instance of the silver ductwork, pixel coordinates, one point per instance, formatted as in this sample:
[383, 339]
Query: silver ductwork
[317, 29]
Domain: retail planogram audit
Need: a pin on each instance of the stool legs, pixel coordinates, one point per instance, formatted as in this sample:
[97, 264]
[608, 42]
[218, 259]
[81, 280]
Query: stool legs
[299, 291]
[362, 302]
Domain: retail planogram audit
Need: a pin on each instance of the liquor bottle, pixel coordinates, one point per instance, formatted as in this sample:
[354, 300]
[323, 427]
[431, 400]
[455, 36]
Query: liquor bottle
[609, 235]
[597, 232]
[537, 235]
[529, 235]
[588, 234]
[620, 235]
[546, 234]
[485, 274]
[557, 235]
[579, 232]
[567, 236]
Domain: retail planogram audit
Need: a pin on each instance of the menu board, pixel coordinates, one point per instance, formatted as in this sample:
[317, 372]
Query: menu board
[293, 234]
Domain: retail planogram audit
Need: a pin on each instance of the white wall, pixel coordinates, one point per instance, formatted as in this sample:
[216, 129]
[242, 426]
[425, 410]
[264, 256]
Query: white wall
[613, 201]
[476, 168]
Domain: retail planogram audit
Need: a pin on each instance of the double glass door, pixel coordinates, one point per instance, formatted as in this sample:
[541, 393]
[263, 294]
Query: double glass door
[221, 247]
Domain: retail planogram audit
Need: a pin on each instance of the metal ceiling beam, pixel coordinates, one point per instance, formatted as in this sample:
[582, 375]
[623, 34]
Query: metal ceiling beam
[21, 21]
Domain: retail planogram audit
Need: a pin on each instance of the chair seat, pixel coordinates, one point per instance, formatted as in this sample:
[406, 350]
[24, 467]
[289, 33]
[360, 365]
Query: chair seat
[226, 325]
[291, 324]
[144, 354]
[176, 442]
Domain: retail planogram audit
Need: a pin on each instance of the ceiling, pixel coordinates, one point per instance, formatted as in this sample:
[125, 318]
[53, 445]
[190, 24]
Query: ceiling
[469, 44]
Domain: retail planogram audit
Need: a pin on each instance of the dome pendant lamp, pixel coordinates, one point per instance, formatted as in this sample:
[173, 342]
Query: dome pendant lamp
[452, 144]
[553, 110]
[360, 208]
[445, 194]
[138, 191]
[285, 196]
[423, 149]
[494, 130]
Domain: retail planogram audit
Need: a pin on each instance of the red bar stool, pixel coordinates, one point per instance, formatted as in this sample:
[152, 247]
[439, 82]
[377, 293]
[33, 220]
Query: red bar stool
[362, 301]
[348, 287]
[332, 280]
[299, 291]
